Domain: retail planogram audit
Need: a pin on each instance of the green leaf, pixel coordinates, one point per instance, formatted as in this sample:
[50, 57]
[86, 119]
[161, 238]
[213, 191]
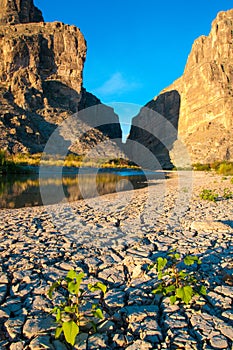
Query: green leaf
[58, 315]
[73, 287]
[74, 281]
[177, 256]
[190, 260]
[72, 275]
[54, 310]
[97, 286]
[70, 330]
[183, 274]
[99, 314]
[94, 306]
[203, 290]
[159, 289]
[53, 288]
[185, 294]
[69, 309]
[172, 299]
[170, 289]
[161, 263]
[58, 332]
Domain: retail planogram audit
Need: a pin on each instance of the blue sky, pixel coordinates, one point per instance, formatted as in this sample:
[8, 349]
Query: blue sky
[135, 48]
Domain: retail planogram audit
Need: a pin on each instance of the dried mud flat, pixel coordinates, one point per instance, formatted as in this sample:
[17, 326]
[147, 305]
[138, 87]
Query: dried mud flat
[113, 239]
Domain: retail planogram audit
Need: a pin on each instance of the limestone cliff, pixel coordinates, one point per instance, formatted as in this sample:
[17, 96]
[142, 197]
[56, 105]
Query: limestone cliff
[205, 118]
[41, 78]
[19, 11]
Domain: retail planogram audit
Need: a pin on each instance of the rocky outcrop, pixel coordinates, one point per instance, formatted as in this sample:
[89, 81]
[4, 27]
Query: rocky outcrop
[35, 57]
[19, 11]
[41, 78]
[206, 90]
[205, 119]
[155, 129]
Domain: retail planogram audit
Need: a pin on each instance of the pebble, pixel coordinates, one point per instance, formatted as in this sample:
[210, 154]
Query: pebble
[219, 342]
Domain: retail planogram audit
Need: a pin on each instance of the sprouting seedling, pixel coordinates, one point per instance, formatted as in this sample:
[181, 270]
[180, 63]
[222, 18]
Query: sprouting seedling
[177, 283]
[71, 314]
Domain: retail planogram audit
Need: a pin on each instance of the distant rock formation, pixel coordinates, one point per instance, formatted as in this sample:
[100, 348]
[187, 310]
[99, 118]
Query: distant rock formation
[155, 129]
[41, 78]
[205, 119]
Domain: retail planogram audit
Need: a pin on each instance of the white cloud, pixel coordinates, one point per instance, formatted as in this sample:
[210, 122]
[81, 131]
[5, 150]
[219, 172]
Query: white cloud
[116, 85]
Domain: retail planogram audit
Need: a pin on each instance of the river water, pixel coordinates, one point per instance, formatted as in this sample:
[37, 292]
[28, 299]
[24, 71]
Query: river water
[17, 191]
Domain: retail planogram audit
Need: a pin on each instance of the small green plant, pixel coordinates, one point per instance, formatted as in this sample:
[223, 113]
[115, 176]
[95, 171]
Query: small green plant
[201, 167]
[209, 195]
[75, 311]
[227, 194]
[225, 168]
[176, 282]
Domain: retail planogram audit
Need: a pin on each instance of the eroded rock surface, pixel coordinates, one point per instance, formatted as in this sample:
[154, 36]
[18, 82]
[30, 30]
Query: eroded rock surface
[41, 80]
[19, 11]
[205, 113]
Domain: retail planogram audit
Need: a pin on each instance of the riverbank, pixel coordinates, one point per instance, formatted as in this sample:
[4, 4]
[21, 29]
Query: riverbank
[113, 238]
[30, 163]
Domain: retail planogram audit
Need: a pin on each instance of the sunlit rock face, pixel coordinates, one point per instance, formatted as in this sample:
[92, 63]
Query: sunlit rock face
[206, 90]
[205, 115]
[41, 79]
[19, 11]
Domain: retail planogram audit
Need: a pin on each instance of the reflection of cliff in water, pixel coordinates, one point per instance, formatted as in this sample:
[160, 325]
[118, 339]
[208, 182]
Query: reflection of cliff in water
[22, 191]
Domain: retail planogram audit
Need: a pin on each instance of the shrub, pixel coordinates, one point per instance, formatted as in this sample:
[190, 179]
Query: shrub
[225, 168]
[201, 167]
[227, 194]
[209, 195]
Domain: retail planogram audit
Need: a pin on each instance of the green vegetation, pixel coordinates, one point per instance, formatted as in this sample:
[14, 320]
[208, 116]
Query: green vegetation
[78, 306]
[18, 162]
[78, 310]
[177, 281]
[223, 168]
[201, 167]
[7, 164]
[227, 194]
[209, 195]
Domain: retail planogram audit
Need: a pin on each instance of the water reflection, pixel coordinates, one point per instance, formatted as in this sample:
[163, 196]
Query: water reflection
[24, 191]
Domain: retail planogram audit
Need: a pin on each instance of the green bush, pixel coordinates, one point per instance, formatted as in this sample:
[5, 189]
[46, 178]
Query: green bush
[201, 167]
[225, 169]
[227, 194]
[209, 195]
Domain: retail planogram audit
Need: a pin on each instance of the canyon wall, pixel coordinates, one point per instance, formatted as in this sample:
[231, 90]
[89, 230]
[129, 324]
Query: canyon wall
[41, 79]
[205, 117]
